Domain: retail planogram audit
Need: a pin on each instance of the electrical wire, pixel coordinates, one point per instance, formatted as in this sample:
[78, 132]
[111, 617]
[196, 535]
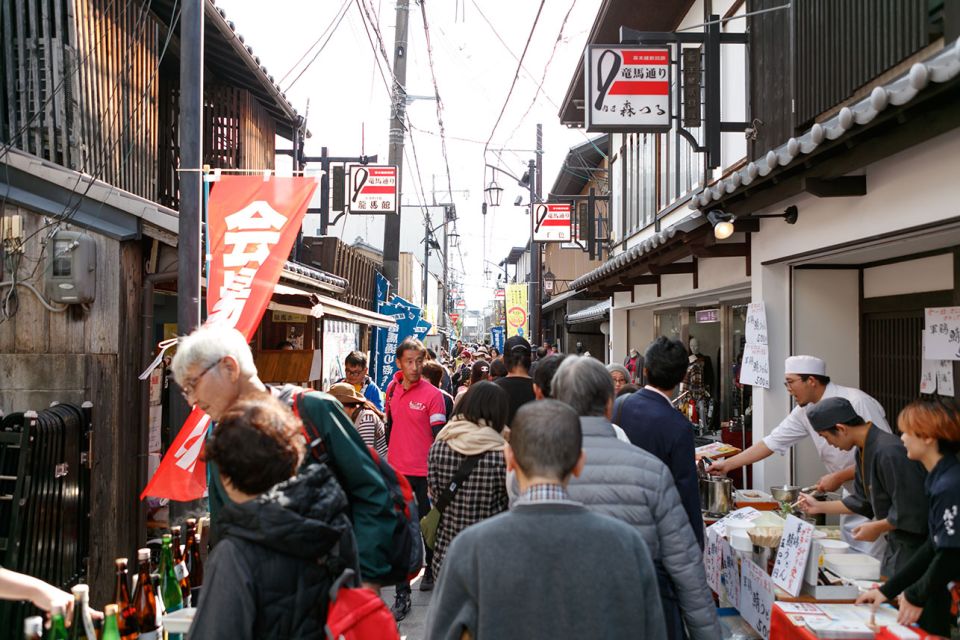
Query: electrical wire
[315, 42]
[436, 91]
[343, 13]
[373, 47]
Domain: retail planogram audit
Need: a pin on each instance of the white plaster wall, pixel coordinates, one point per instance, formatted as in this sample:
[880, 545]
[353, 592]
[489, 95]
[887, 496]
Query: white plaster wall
[733, 91]
[640, 330]
[618, 335]
[826, 324]
[934, 273]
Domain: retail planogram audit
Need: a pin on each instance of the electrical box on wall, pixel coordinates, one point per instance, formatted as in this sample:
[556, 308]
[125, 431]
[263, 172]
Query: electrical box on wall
[71, 268]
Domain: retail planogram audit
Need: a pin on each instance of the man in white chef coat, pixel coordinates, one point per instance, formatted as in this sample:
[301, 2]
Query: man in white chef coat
[806, 379]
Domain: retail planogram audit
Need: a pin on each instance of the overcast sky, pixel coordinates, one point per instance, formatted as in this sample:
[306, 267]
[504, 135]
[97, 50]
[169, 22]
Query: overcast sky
[349, 103]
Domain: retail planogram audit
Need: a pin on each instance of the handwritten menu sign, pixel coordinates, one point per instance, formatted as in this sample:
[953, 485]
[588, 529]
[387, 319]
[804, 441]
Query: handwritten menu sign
[792, 555]
[945, 378]
[756, 323]
[755, 367]
[729, 572]
[756, 597]
[712, 559]
[746, 514]
[936, 376]
[942, 328]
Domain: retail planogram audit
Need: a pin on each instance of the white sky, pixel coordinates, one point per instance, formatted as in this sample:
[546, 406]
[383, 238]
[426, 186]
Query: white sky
[348, 102]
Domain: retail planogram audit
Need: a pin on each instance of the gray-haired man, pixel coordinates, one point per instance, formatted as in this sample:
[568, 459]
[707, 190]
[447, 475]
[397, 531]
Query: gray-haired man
[634, 486]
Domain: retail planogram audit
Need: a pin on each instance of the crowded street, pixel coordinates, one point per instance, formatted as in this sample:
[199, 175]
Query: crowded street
[479, 319]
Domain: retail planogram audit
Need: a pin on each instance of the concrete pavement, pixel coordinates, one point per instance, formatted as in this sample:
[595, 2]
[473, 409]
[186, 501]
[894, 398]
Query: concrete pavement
[413, 627]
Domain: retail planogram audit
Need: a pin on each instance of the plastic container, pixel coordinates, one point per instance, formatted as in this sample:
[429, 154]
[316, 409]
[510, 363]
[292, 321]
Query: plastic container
[853, 566]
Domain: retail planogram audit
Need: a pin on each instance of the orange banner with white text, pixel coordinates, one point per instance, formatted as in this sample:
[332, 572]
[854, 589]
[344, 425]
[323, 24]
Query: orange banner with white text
[252, 224]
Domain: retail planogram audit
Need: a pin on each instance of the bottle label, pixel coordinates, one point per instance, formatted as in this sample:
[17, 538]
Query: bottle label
[180, 569]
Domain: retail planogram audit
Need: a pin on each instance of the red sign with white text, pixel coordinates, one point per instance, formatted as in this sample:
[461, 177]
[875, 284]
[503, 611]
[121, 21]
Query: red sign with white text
[627, 88]
[252, 225]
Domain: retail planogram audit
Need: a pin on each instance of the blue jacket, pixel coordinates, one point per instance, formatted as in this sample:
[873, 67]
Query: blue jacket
[653, 424]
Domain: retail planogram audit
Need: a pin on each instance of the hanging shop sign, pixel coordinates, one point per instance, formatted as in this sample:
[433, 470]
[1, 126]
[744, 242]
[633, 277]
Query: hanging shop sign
[499, 294]
[517, 314]
[551, 222]
[627, 89]
[372, 189]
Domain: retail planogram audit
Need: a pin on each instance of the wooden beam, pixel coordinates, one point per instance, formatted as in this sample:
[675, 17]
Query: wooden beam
[748, 225]
[647, 279]
[725, 250]
[676, 267]
[841, 187]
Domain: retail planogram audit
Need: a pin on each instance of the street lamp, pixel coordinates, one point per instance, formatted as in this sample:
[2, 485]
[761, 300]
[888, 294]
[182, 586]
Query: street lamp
[492, 194]
[548, 281]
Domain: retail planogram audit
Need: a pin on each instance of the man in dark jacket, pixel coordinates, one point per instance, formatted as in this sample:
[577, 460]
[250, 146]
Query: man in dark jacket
[285, 537]
[652, 423]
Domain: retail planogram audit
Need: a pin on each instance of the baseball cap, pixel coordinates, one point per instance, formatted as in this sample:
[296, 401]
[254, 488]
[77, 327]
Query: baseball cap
[515, 343]
[830, 412]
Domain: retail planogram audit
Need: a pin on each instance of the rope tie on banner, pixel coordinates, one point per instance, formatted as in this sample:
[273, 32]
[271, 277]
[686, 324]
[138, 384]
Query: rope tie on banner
[163, 345]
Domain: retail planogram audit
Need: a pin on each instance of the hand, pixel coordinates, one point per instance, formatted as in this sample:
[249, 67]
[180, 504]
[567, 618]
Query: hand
[47, 597]
[909, 613]
[719, 468]
[868, 532]
[829, 482]
[873, 597]
[808, 504]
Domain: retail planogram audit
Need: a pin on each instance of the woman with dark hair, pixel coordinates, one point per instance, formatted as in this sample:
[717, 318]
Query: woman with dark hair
[930, 430]
[478, 372]
[285, 537]
[474, 431]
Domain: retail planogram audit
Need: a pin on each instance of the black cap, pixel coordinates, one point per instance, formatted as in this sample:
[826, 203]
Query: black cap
[830, 412]
[516, 343]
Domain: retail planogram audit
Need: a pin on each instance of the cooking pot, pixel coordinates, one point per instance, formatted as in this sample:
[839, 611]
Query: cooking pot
[716, 495]
[785, 493]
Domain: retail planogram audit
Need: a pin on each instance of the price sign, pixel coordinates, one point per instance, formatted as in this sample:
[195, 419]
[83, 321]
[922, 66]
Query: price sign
[712, 559]
[755, 366]
[756, 323]
[729, 572]
[756, 597]
[792, 555]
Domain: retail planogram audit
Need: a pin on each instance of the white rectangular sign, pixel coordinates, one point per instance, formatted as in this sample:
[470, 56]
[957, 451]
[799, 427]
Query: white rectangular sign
[730, 572]
[942, 339]
[756, 323]
[372, 189]
[756, 597]
[791, 562]
[627, 88]
[552, 222]
[712, 559]
[755, 367]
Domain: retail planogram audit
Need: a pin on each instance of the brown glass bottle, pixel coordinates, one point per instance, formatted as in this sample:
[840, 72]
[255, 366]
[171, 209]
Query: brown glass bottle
[191, 554]
[127, 615]
[178, 559]
[145, 600]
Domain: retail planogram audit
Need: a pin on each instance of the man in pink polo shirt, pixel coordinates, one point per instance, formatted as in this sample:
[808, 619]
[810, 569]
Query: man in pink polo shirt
[416, 413]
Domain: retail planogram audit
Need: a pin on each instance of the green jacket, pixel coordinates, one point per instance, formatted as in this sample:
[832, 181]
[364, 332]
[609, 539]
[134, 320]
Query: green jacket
[371, 507]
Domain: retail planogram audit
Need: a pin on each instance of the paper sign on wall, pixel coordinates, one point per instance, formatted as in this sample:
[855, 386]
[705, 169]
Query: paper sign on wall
[942, 339]
[792, 555]
[936, 376]
[756, 323]
[755, 366]
[756, 597]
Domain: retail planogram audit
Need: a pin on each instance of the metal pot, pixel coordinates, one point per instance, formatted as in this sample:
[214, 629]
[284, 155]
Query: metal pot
[785, 493]
[716, 495]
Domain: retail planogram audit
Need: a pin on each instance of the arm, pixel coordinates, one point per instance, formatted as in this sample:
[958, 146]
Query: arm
[684, 469]
[370, 501]
[438, 413]
[228, 607]
[683, 563]
[833, 481]
[911, 572]
[809, 504]
[654, 625]
[942, 570]
[19, 586]
[755, 453]
[454, 610]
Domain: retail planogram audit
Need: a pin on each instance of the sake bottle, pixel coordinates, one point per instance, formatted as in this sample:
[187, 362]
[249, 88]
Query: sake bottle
[82, 626]
[169, 581]
[58, 626]
[127, 613]
[145, 600]
[191, 554]
[183, 573]
[111, 631]
[33, 628]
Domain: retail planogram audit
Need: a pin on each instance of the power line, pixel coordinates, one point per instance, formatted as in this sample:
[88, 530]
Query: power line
[373, 48]
[515, 75]
[436, 91]
[332, 27]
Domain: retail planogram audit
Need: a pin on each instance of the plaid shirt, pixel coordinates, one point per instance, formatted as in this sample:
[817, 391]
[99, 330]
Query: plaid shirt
[482, 494]
[539, 493]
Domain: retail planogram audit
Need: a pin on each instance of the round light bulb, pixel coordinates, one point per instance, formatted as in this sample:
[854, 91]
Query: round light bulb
[723, 230]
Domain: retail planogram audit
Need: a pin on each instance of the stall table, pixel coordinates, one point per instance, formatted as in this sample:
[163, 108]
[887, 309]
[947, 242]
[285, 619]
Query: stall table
[782, 628]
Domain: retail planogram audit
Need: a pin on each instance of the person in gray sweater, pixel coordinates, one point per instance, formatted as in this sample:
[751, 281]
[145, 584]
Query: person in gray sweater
[634, 486]
[549, 568]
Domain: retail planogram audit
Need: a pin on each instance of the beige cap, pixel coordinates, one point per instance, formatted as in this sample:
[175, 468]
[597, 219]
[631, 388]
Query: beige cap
[805, 366]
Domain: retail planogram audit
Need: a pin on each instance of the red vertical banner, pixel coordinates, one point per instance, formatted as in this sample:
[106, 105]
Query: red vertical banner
[252, 224]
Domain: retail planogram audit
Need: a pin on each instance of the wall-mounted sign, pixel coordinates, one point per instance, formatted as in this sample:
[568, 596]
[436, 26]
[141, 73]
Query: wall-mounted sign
[372, 189]
[454, 317]
[627, 89]
[286, 316]
[461, 304]
[499, 294]
[552, 222]
[705, 316]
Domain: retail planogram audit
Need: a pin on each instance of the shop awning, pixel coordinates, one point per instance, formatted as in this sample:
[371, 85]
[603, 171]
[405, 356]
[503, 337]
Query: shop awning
[556, 301]
[293, 300]
[593, 313]
[343, 311]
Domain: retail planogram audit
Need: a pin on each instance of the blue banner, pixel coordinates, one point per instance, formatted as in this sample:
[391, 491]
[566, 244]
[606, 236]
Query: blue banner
[496, 335]
[379, 333]
[409, 323]
[421, 326]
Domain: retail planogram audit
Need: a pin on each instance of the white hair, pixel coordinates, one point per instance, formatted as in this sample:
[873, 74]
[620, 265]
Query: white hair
[584, 384]
[209, 344]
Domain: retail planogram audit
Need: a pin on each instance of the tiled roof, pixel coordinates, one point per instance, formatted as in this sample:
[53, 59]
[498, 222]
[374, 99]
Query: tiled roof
[591, 314]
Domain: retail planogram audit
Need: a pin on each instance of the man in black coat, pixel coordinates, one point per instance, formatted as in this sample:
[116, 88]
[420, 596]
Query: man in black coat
[652, 423]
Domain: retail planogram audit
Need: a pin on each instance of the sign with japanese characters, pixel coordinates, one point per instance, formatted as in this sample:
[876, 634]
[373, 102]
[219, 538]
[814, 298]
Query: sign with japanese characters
[705, 316]
[372, 189]
[756, 597]
[516, 302]
[712, 559]
[627, 89]
[551, 222]
[755, 367]
[729, 572]
[942, 338]
[791, 563]
[756, 323]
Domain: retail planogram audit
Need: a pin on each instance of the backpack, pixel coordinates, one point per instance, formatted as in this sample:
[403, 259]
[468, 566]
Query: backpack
[358, 614]
[406, 552]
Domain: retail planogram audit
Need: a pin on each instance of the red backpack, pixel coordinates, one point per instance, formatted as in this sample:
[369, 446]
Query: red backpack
[406, 552]
[358, 614]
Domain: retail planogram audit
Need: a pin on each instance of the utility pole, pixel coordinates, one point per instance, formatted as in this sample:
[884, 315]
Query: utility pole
[391, 228]
[536, 169]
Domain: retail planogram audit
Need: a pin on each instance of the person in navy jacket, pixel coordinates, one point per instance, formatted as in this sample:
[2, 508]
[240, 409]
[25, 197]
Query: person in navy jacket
[655, 425]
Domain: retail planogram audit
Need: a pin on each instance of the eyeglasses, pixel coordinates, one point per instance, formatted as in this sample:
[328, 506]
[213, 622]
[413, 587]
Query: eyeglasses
[188, 388]
[351, 373]
[788, 383]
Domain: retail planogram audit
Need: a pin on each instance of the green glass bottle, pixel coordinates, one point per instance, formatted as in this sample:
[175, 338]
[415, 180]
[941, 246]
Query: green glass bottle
[110, 629]
[169, 582]
[58, 626]
[82, 626]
